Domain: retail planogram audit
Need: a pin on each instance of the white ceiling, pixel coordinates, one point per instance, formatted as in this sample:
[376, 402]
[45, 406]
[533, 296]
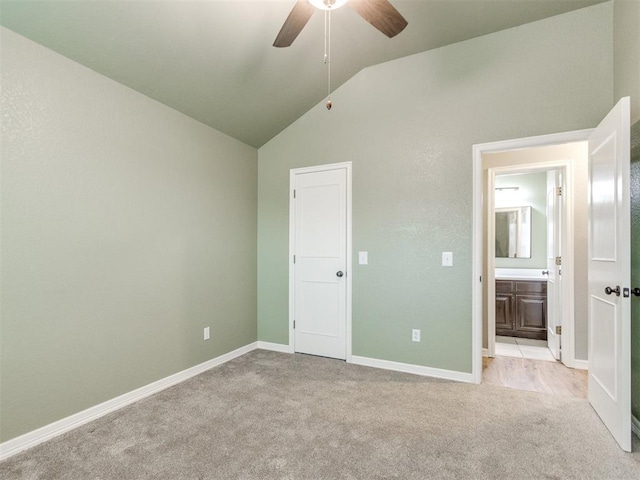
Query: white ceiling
[213, 59]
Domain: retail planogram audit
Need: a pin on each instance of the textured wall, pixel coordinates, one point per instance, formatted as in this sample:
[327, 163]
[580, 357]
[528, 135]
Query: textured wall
[408, 126]
[532, 192]
[626, 53]
[126, 228]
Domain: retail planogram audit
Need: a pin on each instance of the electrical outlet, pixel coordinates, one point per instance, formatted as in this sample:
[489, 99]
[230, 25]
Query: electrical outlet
[206, 333]
[415, 335]
[447, 259]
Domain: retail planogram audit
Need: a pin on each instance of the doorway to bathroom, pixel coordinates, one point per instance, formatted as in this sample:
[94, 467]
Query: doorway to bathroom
[534, 221]
[528, 230]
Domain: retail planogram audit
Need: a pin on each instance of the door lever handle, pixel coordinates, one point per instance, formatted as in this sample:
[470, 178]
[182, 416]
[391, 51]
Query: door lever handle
[609, 290]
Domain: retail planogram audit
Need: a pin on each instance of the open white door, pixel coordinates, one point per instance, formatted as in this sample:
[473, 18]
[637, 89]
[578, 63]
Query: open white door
[320, 262]
[609, 273]
[554, 297]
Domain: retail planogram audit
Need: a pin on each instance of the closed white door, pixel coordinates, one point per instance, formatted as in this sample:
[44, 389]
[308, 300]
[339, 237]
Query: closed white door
[609, 273]
[320, 248]
[554, 297]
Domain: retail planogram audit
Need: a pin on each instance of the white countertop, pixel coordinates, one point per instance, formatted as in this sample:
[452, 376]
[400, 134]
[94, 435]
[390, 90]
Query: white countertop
[520, 274]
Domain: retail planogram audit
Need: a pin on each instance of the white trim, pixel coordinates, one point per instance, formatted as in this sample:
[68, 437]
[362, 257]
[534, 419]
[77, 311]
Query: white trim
[490, 259]
[478, 151]
[349, 270]
[485, 353]
[35, 437]
[580, 364]
[476, 268]
[414, 369]
[274, 347]
[635, 426]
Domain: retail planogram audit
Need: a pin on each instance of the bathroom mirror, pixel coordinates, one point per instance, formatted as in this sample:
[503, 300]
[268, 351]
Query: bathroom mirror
[513, 232]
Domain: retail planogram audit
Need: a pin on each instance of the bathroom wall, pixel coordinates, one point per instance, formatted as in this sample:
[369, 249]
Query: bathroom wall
[532, 191]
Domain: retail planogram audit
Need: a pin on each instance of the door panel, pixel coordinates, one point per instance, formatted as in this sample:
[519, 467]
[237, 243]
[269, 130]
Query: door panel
[320, 308]
[531, 313]
[604, 370]
[554, 297]
[504, 314]
[609, 267]
[320, 229]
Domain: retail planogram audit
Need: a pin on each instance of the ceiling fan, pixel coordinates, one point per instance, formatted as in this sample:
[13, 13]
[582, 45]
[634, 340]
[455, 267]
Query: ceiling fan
[379, 13]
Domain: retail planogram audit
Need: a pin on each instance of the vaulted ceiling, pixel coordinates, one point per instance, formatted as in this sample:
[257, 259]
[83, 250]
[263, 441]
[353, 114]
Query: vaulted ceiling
[213, 60]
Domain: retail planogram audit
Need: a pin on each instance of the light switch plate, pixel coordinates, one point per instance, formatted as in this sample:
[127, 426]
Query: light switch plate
[447, 259]
[415, 335]
[363, 258]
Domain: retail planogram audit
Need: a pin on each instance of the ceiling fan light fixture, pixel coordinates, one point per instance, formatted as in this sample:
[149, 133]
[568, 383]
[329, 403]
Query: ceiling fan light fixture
[327, 4]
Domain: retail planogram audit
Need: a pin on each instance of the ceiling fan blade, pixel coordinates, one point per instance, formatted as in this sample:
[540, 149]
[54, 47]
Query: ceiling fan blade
[295, 22]
[381, 14]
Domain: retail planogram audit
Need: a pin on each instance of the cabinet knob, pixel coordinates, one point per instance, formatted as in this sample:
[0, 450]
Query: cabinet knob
[545, 272]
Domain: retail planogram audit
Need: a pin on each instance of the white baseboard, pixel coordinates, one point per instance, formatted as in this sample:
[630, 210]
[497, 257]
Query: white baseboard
[33, 438]
[415, 369]
[635, 426]
[485, 352]
[274, 347]
[581, 364]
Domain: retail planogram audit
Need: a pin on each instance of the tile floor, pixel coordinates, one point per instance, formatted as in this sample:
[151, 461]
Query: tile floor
[523, 348]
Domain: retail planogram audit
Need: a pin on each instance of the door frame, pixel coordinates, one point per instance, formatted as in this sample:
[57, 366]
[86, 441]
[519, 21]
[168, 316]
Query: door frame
[347, 166]
[478, 249]
[567, 293]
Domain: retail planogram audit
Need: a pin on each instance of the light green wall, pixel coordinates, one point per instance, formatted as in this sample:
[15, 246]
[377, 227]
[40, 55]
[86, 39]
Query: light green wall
[408, 126]
[532, 192]
[626, 64]
[635, 269]
[626, 53]
[126, 228]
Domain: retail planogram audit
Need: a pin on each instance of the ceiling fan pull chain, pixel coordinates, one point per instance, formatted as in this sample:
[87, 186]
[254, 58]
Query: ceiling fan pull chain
[327, 53]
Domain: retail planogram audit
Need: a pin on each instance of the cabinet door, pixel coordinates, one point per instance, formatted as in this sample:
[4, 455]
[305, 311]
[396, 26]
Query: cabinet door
[504, 314]
[531, 316]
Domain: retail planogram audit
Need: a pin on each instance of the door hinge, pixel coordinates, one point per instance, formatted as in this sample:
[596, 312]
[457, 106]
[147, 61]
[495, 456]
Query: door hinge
[294, 193]
[558, 260]
[294, 324]
[559, 191]
[294, 259]
[559, 330]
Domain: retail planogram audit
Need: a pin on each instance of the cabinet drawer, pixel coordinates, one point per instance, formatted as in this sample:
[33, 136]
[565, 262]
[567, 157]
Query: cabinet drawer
[531, 287]
[504, 286]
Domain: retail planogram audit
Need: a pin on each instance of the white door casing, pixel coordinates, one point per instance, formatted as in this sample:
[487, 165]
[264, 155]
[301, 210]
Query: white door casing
[609, 269]
[320, 268]
[479, 255]
[554, 278]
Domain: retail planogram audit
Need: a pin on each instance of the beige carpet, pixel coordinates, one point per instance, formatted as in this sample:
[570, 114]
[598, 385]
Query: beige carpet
[276, 416]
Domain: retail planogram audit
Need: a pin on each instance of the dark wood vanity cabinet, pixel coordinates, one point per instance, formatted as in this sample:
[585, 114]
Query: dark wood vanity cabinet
[521, 308]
